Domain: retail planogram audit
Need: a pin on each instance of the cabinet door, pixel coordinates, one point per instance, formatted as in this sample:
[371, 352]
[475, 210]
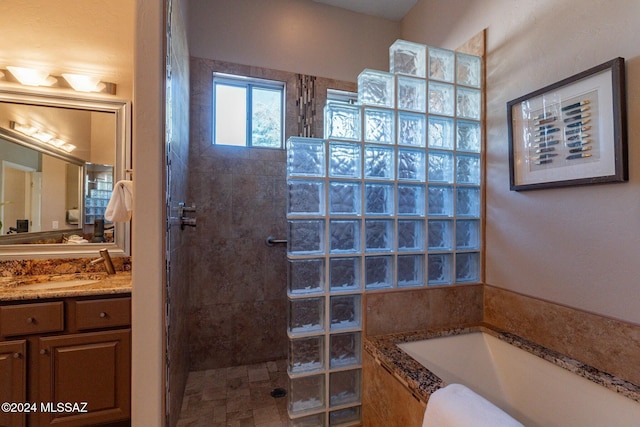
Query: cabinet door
[92, 368]
[13, 380]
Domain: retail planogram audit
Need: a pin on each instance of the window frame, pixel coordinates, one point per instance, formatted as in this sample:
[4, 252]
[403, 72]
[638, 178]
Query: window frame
[343, 96]
[249, 83]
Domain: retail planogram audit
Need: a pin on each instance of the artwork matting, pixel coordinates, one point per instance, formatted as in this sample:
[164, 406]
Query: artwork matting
[570, 133]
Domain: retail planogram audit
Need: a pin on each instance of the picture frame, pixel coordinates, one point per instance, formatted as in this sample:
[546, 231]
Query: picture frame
[573, 132]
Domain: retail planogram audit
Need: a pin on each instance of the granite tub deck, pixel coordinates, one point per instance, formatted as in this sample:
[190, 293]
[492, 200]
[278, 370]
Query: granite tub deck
[31, 287]
[421, 382]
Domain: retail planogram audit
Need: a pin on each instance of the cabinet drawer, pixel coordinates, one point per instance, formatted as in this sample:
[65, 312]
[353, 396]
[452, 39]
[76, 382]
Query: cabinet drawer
[31, 318]
[103, 313]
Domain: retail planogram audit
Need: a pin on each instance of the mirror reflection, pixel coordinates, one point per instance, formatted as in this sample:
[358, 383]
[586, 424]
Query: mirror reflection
[43, 151]
[59, 160]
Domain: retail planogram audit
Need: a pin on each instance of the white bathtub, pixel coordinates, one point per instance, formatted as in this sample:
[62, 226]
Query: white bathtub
[532, 390]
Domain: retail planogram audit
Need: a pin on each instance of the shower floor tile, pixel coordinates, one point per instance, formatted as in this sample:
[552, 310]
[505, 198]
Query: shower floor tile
[239, 396]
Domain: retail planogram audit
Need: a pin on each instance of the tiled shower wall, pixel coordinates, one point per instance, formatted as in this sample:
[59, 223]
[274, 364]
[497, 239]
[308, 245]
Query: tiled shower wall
[238, 302]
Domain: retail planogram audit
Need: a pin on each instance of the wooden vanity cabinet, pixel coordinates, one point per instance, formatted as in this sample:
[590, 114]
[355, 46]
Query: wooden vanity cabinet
[13, 380]
[73, 351]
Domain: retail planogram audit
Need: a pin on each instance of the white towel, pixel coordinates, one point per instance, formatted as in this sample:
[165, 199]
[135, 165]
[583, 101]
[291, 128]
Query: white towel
[76, 240]
[121, 203]
[457, 406]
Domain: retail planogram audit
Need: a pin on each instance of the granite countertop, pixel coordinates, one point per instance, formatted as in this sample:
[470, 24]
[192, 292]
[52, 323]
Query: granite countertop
[422, 382]
[30, 287]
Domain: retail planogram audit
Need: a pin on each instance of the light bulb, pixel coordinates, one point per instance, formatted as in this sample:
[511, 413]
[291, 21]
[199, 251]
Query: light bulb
[84, 83]
[31, 76]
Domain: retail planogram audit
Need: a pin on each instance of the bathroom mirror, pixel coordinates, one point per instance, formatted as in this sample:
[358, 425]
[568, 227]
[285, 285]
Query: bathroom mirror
[60, 156]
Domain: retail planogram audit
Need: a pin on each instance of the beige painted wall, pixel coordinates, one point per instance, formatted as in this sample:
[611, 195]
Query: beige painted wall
[82, 36]
[575, 246]
[54, 192]
[103, 134]
[300, 36]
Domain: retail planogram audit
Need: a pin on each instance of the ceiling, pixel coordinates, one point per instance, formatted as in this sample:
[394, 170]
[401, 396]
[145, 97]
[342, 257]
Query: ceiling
[389, 9]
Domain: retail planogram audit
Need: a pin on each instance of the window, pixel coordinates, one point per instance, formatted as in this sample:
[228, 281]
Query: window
[335, 95]
[247, 112]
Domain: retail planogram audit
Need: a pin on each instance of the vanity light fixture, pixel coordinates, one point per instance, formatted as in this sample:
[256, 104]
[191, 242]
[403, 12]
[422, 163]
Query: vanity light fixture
[31, 76]
[38, 77]
[42, 135]
[85, 83]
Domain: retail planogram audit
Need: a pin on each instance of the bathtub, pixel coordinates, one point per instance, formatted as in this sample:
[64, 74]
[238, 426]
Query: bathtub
[531, 389]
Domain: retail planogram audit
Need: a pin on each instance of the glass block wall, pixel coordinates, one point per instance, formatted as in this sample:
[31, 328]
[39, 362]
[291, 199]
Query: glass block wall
[390, 198]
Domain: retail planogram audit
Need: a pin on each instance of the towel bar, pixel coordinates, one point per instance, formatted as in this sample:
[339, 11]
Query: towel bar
[272, 241]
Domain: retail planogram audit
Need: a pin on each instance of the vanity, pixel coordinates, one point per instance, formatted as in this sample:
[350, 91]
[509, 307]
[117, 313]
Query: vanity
[65, 349]
[65, 324]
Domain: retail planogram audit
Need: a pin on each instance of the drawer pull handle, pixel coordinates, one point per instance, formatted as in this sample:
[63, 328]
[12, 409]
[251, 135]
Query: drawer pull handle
[103, 314]
[31, 320]
[17, 355]
[43, 351]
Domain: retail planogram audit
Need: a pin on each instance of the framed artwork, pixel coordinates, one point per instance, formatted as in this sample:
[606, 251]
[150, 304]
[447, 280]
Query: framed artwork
[573, 132]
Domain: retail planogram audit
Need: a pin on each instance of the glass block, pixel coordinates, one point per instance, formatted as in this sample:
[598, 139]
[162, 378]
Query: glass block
[378, 272]
[411, 165]
[346, 416]
[378, 235]
[306, 315]
[467, 267]
[345, 350]
[344, 274]
[345, 236]
[412, 94]
[305, 198]
[468, 136]
[467, 234]
[412, 129]
[378, 199]
[306, 354]
[344, 198]
[440, 200]
[306, 394]
[305, 156]
[441, 64]
[468, 169]
[441, 133]
[315, 420]
[468, 103]
[342, 121]
[441, 99]
[376, 88]
[306, 276]
[410, 270]
[411, 199]
[468, 202]
[440, 235]
[440, 166]
[344, 387]
[306, 237]
[378, 162]
[408, 58]
[346, 312]
[410, 235]
[379, 126]
[344, 160]
[440, 269]
[468, 70]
